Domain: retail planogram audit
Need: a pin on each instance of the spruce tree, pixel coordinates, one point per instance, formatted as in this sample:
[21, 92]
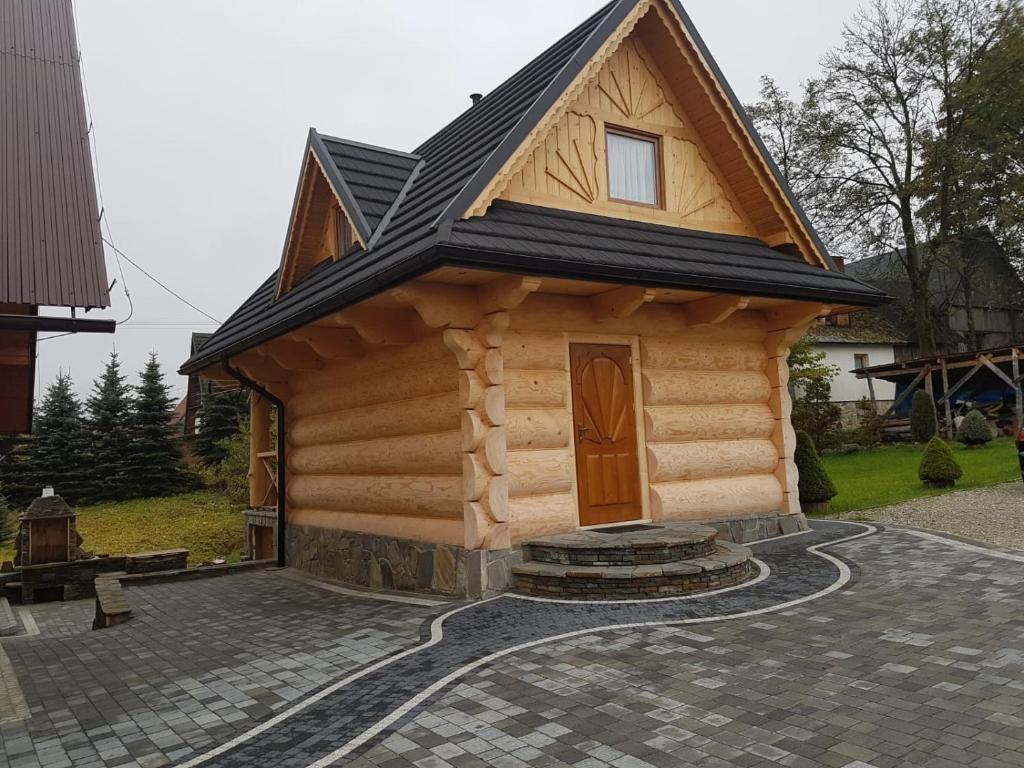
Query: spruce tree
[59, 453]
[109, 424]
[154, 462]
[220, 417]
[923, 419]
[816, 487]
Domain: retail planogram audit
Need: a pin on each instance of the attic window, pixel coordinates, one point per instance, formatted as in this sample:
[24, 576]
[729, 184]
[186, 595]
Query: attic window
[633, 167]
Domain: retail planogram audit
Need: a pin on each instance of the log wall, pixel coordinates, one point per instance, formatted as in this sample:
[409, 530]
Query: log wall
[375, 444]
[711, 419]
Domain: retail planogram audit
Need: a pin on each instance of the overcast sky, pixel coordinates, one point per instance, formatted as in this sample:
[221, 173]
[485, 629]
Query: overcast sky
[201, 109]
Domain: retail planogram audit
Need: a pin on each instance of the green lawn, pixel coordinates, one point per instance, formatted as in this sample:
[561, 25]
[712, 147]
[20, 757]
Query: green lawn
[889, 475]
[204, 522]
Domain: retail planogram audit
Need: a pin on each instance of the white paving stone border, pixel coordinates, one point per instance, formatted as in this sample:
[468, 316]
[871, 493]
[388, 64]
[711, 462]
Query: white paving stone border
[963, 545]
[437, 634]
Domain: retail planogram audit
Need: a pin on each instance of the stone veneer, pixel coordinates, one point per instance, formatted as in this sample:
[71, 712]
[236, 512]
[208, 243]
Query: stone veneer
[747, 529]
[386, 562]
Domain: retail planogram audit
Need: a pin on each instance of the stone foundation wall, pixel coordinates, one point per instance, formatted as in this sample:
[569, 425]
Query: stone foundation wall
[746, 529]
[849, 418]
[385, 562]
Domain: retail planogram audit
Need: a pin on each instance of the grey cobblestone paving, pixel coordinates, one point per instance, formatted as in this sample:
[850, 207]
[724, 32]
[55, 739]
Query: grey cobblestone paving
[917, 661]
[199, 662]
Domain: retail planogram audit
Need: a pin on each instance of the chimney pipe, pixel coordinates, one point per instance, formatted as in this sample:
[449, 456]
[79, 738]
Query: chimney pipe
[475, 97]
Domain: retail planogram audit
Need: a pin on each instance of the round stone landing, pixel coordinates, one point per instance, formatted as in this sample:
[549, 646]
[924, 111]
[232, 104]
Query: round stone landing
[633, 562]
[625, 545]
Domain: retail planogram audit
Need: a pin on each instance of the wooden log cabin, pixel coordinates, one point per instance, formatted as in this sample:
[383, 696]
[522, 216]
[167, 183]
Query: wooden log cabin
[570, 307]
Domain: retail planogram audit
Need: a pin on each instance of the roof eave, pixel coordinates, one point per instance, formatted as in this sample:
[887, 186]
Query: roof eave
[453, 255]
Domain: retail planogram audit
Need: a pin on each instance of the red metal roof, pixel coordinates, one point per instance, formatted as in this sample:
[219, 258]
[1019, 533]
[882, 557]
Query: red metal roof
[50, 242]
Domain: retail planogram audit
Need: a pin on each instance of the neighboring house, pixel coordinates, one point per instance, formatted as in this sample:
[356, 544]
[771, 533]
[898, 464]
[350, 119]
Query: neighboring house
[993, 298]
[855, 341]
[51, 254]
[570, 307]
[198, 388]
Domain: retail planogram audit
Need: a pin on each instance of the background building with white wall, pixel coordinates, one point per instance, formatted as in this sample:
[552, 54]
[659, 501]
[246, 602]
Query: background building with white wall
[851, 342]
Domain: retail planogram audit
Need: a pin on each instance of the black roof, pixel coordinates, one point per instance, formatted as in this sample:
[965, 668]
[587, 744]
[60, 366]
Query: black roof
[421, 228]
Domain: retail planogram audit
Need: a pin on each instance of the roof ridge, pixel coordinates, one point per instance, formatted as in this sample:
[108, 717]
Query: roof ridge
[603, 10]
[364, 145]
[612, 15]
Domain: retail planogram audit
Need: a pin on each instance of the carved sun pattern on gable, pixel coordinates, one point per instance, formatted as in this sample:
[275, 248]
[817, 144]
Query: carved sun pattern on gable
[572, 155]
[566, 167]
[630, 85]
[693, 187]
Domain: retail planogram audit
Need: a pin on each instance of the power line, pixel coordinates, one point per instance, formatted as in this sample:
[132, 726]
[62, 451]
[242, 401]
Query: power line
[178, 296]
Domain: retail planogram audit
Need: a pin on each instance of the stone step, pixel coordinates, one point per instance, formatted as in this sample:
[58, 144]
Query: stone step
[639, 545]
[728, 565]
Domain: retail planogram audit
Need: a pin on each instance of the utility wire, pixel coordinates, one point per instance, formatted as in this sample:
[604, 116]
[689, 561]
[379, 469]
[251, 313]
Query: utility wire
[178, 296]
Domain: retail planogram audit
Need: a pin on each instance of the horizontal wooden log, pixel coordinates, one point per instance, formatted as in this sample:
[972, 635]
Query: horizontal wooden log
[683, 423]
[377, 363]
[535, 389]
[477, 524]
[434, 454]
[350, 392]
[429, 529]
[543, 312]
[495, 498]
[533, 516]
[534, 473]
[493, 451]
[716, 498]
[704, 387]
[538, 428]
[534, 350]
[418, 495]
[784, 438]
[694, 355]
[699, 460]
[433, 413]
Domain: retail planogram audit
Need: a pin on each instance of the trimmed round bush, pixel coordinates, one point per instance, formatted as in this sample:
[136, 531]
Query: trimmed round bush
[938, 468]
[816, 487]
[973, 430]
[923, 420]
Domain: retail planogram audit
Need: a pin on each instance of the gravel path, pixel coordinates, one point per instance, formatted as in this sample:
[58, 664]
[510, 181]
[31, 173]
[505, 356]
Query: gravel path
[994, 514]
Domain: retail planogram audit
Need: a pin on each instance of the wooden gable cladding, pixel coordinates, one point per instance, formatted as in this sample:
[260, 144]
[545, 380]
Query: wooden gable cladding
[569, 168]
[320, 229]
[653, 78]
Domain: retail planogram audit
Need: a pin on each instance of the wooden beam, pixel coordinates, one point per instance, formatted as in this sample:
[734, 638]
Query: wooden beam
[950, 392]
[620, 302]
[292, 355]
[331, 343]
[795, 314]
[376, 325]
[945, 401]
[713, 309]
[260, 368]
[907, 392]
[987, 362]
[440, 305]
[1018, 393]
[506, 292]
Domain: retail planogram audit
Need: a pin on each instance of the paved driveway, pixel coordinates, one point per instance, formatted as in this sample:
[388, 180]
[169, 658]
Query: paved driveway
[887, 649]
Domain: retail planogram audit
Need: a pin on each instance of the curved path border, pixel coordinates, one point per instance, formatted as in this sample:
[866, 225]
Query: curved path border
[349, 714]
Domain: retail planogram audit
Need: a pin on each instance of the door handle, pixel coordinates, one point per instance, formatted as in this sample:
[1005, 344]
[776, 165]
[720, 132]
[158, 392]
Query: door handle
[581, 430]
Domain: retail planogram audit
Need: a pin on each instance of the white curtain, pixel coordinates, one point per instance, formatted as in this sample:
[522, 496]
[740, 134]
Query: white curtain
[631, 169]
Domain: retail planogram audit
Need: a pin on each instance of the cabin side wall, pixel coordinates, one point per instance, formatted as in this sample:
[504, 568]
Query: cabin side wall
[713, 422]
[375, 469]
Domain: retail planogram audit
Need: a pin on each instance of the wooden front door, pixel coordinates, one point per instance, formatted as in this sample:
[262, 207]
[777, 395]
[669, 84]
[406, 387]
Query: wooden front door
[607, 462]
